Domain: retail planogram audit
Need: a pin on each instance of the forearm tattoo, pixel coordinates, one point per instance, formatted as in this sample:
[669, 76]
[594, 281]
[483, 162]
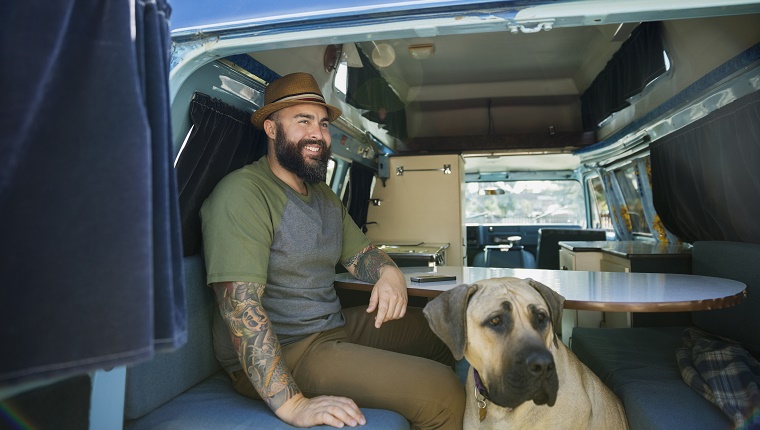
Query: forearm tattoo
[255, 341]
[368, 262]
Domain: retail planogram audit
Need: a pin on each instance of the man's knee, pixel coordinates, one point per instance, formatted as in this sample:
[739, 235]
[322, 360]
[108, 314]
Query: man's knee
[446, 402]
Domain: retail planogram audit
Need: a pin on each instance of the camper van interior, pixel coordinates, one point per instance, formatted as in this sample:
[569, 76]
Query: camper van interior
[586, 135]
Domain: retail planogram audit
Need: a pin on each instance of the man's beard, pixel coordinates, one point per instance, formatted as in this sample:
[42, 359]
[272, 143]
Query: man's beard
[290, 156]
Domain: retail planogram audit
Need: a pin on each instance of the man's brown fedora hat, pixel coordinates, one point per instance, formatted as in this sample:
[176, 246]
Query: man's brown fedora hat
[290, 90]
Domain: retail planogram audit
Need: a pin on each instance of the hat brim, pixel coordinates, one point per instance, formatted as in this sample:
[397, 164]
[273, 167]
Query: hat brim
[258, 117]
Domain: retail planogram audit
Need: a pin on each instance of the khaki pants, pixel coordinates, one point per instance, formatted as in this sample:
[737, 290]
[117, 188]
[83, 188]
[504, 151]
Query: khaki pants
[402, 367]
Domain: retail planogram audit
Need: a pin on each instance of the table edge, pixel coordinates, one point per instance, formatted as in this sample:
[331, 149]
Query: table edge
[682, 306]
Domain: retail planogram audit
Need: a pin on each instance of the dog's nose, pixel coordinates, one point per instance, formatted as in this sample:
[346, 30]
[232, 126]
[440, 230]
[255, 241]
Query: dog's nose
[539, 363]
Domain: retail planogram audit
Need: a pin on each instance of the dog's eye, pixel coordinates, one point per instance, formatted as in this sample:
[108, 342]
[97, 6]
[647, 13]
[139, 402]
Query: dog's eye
[495, 321]
[542, 318]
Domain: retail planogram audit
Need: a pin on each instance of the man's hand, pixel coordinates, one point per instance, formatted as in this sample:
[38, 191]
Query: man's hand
[389, 293]
[388, 296]
[300, 411]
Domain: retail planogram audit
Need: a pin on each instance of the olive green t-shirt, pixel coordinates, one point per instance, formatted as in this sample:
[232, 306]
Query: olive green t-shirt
[258, 229]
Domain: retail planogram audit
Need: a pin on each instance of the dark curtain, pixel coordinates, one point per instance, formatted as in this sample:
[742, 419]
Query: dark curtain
[356, 198]
[91, 268]
[638, 61]
[705, 181]
[222, 140]
[369, 91]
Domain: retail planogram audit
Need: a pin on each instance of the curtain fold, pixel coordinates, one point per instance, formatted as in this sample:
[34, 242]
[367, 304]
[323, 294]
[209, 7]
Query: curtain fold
[642, 167]
[356, 198]
[222, 139]
[368, 90]
[621, 220]
[705, 182]
[638, 61]
[92, 269]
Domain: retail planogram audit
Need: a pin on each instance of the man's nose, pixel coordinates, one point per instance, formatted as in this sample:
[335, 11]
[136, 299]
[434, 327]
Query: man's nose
[320, 133]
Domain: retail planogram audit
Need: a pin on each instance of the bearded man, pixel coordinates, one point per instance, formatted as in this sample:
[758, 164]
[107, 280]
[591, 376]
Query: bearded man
[273, 232]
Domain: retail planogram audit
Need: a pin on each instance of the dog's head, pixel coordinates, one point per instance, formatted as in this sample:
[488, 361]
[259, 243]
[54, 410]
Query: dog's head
[505, 327]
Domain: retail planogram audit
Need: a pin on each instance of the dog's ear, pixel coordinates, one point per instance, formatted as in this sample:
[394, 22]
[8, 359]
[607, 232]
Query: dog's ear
[554, 300]
[447, 316]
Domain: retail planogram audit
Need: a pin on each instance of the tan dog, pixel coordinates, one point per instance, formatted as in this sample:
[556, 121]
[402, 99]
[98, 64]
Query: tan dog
[504, 327]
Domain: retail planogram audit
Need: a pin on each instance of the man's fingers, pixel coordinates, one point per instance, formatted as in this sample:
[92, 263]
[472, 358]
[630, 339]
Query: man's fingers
[372, 301]
[340, 411]
[390, 308]
[348, 414]
[382, 310]
[330, 410]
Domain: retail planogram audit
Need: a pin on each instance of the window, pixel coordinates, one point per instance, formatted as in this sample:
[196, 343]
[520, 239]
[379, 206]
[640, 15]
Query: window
[525, 202]
[330, 170]
[337, 174]
[341, 78]
[629, 186]
[600, 212]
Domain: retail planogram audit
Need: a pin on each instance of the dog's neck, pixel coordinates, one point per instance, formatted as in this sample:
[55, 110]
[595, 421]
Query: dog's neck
[481, 396]
[479, 384]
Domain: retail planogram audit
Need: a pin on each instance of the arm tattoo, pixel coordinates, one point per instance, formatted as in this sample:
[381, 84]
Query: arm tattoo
[255, 341]
[368, 262]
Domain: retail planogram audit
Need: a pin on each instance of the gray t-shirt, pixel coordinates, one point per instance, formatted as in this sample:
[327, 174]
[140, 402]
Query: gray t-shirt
[257, 229]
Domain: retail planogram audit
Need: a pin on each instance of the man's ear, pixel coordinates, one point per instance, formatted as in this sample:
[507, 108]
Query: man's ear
[270, 128]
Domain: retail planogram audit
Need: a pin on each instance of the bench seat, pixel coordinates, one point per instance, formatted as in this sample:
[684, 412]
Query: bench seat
[186, 389]
[639, 364]
[212, 404]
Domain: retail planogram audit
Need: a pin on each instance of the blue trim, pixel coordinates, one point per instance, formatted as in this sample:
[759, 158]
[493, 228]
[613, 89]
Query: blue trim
[188, 16]
[687, 94]
[249, 64]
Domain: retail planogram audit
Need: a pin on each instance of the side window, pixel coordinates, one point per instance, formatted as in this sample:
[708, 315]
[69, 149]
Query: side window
[330, 171]
[600, 211]
[626, 178]
[337, 174]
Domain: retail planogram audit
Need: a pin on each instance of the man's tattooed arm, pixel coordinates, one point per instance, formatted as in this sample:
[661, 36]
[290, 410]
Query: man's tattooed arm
[366, 265]
[255, 341]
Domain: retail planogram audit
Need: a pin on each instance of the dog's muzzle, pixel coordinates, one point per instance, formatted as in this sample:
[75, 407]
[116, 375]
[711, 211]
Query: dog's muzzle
[531, 375]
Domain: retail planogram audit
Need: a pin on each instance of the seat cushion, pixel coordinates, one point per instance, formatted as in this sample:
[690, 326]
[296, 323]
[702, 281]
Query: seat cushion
[737, 261]
[639, 365]
[155, 382]
[213, 404]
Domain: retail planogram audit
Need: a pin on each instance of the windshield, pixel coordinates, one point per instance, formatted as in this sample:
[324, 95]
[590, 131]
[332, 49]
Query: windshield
[525, 202]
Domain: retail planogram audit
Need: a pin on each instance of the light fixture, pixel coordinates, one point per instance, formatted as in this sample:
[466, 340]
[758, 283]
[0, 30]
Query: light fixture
[383, 54]
[422, 51]
[331, 57]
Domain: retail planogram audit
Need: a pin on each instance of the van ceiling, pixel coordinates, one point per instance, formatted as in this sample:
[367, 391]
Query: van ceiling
[514, 69]
[497, 83]
[486, 85]
[485, 88]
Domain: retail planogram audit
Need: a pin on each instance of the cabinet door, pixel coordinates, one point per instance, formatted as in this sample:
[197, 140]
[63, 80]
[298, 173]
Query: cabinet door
[566, 259]
[614, 264]
[421, 205]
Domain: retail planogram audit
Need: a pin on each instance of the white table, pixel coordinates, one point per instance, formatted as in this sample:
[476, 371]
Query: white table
[594, 291]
